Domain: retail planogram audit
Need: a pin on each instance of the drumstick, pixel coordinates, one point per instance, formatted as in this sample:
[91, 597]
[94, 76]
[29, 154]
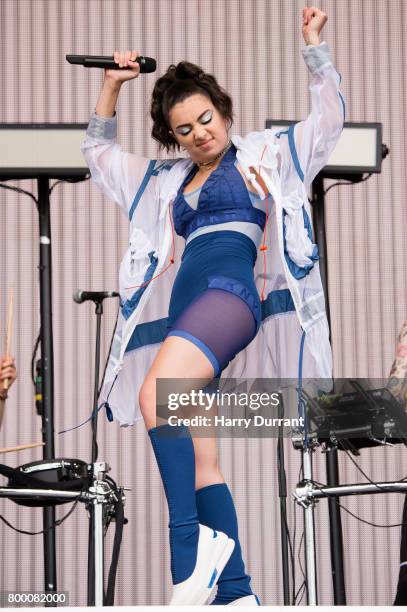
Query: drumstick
[9, 331]
[21, 447]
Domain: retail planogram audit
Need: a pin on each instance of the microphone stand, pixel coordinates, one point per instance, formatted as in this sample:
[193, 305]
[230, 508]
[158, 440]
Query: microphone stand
[95, 545]
[99, 313]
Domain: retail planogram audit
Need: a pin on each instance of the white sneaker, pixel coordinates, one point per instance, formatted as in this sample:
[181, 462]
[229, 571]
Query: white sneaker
[249, 600]
[214, 550]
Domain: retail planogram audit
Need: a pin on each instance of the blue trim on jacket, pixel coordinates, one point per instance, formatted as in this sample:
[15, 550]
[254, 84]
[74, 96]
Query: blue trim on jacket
[154, 168]
[129, 305]
[277, 302]
[141, 189]
[165, 164]
[296, 270]
[293, 151]
[148, 333]
[340, 95]
[343, 104]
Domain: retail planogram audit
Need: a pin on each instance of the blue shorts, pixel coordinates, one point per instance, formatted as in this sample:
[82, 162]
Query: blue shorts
[214, 301]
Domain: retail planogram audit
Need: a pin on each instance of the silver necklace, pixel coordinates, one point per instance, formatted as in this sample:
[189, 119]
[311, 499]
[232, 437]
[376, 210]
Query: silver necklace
[208, 164]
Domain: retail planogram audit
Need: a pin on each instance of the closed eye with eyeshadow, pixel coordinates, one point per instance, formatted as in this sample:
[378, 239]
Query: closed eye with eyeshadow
[205, 119]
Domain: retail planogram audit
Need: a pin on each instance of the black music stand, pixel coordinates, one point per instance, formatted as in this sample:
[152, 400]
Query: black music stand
[33, 137]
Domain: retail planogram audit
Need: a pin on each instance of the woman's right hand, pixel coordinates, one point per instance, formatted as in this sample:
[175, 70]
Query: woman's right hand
[125, 59]
[7, 372]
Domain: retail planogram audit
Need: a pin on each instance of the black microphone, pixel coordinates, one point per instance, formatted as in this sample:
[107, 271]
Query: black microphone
[147, 64]
[95, 296]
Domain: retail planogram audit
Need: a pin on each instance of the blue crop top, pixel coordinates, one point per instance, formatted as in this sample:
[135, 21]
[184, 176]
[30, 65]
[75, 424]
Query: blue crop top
[222, 203]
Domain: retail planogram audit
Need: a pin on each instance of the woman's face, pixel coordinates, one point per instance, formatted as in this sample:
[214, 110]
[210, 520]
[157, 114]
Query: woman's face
[196, 121]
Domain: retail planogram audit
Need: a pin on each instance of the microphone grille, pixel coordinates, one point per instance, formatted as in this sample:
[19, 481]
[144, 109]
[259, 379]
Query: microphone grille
[147, 64]
[77, 296]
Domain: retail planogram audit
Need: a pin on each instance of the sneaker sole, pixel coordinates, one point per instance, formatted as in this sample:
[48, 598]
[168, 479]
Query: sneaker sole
[204, 595]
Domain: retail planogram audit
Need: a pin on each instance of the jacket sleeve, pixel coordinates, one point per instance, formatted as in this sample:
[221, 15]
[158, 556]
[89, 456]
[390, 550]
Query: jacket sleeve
[316, 137]
[118, 174]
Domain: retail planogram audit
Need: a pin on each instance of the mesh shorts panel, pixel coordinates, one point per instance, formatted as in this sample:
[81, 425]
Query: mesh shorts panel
[221, 320]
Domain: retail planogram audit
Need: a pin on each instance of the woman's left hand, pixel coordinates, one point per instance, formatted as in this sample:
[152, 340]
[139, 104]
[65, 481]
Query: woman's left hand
[313, 20]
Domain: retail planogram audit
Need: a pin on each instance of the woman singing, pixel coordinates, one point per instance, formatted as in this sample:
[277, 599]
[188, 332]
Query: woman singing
[224, 300]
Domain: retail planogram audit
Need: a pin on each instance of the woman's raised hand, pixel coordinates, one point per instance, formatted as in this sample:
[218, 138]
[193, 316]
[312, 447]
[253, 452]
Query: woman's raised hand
[7, 372]
[124, 60]
[313, 20]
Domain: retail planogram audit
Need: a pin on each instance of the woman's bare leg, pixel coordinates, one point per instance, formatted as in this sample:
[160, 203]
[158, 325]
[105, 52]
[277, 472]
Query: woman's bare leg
[207, 470]
[173, 447]
[177, 358]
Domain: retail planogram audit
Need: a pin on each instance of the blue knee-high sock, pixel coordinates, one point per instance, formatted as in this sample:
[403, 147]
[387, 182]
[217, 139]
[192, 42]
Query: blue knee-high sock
[216, 510]
[174, 451]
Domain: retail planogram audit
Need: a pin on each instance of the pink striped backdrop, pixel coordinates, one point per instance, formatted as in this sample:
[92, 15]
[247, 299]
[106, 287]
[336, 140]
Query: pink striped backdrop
[253, 47]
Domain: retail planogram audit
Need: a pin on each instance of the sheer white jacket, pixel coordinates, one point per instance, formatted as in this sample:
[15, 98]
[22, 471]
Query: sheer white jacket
[286, 274]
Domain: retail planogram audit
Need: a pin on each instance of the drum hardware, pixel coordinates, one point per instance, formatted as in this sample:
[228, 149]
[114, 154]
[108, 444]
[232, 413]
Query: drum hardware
[349, 421]
[101, 494]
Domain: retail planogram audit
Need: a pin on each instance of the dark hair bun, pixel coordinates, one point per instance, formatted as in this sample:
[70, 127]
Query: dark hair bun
[186, 70]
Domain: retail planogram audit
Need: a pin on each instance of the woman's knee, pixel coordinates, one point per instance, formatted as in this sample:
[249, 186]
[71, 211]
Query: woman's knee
[147, 399]
[153, 402]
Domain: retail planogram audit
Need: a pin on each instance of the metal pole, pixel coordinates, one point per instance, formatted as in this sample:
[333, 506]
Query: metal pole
[305, 492]
[282, 491]
[309, 539]
[332, 472]
[47, 355]
[318, 208]
[283, 526]
[100, 489]
[335, 532]
[93, 579]
[99, 313]
[99, 556]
